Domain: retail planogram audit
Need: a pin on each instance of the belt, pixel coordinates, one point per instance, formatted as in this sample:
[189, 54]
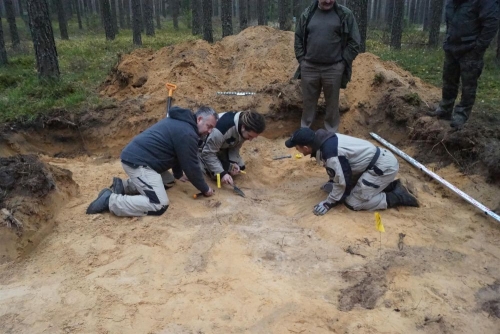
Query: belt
[374, 159]
[132, 165]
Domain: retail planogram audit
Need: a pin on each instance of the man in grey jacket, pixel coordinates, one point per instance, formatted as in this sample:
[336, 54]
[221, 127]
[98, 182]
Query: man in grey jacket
[471, 25]
[172, 143]
[220, 154]
[327, 40]
[344, 156]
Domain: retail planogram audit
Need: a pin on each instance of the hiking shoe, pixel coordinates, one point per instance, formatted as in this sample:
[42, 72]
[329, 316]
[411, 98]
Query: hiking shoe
[391, 186]
[400, 196]
[327, 187]
[101, 203]
[440, 113]
[458, 122]
[117, 186]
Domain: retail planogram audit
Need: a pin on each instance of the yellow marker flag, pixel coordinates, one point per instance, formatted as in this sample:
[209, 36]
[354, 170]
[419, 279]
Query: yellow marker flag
[218, 180]
[378, 223]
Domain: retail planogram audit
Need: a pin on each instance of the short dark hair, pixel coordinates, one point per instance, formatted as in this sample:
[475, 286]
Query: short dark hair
[302, 137]
[253, 121]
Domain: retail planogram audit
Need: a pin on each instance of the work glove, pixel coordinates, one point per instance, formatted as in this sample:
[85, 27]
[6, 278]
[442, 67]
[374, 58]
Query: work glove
[322, 207]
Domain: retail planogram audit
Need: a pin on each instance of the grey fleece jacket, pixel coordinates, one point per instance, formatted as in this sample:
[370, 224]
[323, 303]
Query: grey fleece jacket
[172, 143]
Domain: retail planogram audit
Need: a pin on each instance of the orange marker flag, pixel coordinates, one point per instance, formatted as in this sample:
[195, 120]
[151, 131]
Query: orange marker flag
[378, 223]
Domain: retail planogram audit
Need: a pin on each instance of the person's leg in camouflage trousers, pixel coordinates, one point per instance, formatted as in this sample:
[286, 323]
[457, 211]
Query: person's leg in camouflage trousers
[451, 81]
[471, 65]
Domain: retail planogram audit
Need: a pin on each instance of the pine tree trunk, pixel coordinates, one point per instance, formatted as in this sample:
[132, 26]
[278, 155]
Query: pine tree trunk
[3, 52]
[285, 19]
[43, 39]
[215, 8]
[226, 18]
[11, 18]
[498, 48]
[107, 20]
[78, 14]
[261, 12]
[427, 15]
[360, 10]
[157, 14]
[397, 24]
[148, 18]
[121, 14]
[114, 16]
[435, 22]
[126, 9]
[197, 17]
[61, 18]
[136, 21]
[207, 21]
[296, 9]
[243, 13]
[175, 13]
[389, 12]
[413, 12]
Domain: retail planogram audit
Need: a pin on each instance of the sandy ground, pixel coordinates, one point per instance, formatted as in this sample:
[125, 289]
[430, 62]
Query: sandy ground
[264, 263]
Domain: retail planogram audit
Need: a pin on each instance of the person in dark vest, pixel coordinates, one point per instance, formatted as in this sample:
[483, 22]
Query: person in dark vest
[327, 40]
[471, 25]
[172, 143]
[344, 156]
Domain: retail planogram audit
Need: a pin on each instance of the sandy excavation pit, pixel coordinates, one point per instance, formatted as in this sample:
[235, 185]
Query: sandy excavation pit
[264, 263]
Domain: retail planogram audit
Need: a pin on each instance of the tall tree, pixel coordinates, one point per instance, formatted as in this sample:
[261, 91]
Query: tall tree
[243, 14]
[126, 10]
[61, 18]
[397, 24]
[3, 52]
[43, 39]
[11, 18]
[284, 14]
[175, 13]
[78, 14]
[107, 20]
[261, 12]
[427, 15]
[360, 10]
[148, 18]
[435, 22]
[114, 16]
[498, 47]
[207, 21]
[389, 12]
[296, 9]
[136, 21]
[157, 14]
[227, 17]
[121, 14]
[197, 17]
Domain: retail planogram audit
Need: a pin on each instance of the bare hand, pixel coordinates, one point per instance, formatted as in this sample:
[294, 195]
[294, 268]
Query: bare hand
[235, 170]
[209, 193]
[227, 179]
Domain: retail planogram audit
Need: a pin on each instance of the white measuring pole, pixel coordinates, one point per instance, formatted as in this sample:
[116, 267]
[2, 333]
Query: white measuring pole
[436, 177]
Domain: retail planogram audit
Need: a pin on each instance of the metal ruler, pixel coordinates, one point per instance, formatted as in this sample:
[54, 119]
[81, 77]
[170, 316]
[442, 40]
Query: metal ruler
[236, 93]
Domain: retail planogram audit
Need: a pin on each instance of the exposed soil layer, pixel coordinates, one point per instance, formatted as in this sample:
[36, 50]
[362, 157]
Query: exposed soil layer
[264, 263]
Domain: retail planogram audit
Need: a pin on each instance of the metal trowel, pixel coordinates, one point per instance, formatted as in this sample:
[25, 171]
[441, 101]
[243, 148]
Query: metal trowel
[238, 191]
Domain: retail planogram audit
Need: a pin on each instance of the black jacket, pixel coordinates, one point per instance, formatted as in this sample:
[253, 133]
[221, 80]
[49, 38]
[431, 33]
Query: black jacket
[470, 25]
[172, 143]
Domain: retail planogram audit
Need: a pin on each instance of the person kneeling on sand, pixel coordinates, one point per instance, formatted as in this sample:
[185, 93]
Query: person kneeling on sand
[172, 143]
[344, 156]
[220, 153]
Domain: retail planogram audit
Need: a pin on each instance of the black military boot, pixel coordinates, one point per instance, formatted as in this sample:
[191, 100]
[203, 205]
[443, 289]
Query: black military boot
[460, 117]
[117, 186]
[400, 196]
[101, 203]
[391, 186]
[441, 113]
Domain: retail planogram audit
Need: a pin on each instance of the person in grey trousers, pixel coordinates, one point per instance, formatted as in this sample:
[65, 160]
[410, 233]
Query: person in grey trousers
[344, 156]
[327, 40]
[172, 143]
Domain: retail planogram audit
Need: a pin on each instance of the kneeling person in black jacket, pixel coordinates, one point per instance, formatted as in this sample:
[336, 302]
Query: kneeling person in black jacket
[172, 143]
[344, 156]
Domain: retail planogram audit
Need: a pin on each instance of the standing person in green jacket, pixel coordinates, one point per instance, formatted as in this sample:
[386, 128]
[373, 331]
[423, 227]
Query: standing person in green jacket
[327, 40]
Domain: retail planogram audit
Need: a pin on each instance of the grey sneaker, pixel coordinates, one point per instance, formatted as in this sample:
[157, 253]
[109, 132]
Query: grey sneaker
[101, 203]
